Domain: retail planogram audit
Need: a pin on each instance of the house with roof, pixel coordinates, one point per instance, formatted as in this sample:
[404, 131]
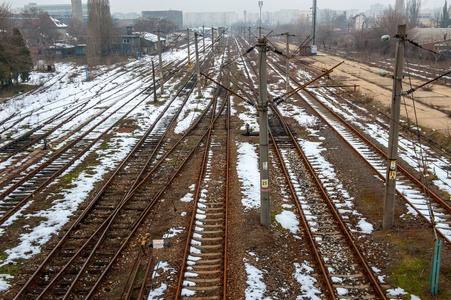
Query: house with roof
[137, 43]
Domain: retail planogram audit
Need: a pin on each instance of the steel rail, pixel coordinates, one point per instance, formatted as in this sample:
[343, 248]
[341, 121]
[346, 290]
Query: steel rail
[381, 176]
[378, 290]
[96, 198]
[196, 201]
[196, 197]
[147, 210]
[335, 213]
[67, 165]
[52, 119]
[226, 236]
[108, 223]
[384, 155]
[56, 156]
[308, 233]
[146, 275]
[304, 222]
[403, 170]
[128, 197]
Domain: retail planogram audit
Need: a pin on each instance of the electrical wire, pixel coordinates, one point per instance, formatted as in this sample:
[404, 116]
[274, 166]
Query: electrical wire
[429, 50]
[420, 156]
[428, 82]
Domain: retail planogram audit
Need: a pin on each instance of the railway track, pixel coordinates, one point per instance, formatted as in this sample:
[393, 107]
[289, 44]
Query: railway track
[92, 245]
[80, 107]
[23, 187]
[203, 274]
[420, 71]
[412, 190]
[105, 249]
[342, 267]
[114, 213]
[87, 99]
[348, 273]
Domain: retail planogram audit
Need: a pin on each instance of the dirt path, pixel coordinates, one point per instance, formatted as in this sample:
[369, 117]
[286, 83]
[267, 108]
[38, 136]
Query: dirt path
[380, 89]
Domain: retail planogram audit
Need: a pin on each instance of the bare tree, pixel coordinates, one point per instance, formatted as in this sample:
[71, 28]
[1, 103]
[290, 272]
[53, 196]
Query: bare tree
[435, 18]
[413, 12]
[154, 24]
[388, 22]
[445, 18]
[77, 30]
[327, 17]
[5, 17]
[38, 28]
[100, 30]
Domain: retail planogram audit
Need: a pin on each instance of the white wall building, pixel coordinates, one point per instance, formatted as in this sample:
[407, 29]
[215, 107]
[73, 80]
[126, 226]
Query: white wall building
[213, 19]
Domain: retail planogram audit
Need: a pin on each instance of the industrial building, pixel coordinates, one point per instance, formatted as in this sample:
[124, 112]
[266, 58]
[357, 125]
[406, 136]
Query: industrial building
[62, 12]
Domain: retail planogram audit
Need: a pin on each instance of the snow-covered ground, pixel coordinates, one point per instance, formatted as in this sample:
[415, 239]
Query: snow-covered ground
[61, 91]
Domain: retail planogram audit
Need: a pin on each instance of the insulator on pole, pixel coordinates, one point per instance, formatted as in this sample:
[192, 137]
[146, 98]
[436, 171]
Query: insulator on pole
[383, 73]
[385, 38]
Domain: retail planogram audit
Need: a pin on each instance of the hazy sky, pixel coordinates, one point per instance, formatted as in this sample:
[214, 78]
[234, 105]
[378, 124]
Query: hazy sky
[229, 5]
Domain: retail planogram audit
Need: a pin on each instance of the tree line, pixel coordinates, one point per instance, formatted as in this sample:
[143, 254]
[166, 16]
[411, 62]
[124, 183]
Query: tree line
[359, 36]
[15, 58]
[38, 30]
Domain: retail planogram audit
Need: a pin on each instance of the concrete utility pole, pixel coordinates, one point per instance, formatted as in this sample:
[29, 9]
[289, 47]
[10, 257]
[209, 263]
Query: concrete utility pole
[390, 183]
[161, 63]
[260, 4]
[249, 36]
[203, 37]
[212, 38]
[154, 84]
[189, 55]
[265, 217]
[288, 60]
[199, 94]
[314, 23]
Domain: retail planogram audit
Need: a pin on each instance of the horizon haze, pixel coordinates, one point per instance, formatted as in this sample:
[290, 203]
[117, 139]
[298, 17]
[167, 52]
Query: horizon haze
[230, 6]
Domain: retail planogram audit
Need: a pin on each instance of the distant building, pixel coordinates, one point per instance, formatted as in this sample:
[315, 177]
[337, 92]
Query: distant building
[285, 16]
[127, 16]
[399, 6]
[77, 10]
[425, 19]
[359, 22]
[214, 19]
[53, 24]
[62, 12]
[376, 10]
[136, 43]
[61, 50]
[438, 39]
[289, 16]
[175, 16]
